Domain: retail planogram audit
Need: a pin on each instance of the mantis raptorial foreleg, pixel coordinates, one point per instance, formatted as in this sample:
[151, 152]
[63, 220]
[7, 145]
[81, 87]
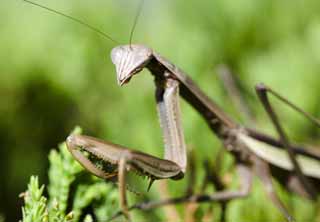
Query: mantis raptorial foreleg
[167, 97]
[107, 160]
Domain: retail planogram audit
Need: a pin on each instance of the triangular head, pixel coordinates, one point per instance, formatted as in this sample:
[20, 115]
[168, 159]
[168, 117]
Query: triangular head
[130, 60]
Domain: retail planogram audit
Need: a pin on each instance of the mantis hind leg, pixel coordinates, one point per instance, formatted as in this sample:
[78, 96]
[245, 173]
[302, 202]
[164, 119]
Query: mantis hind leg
[262, 91]
[263, 172]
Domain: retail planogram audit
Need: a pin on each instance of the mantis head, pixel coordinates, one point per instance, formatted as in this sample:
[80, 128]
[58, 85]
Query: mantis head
[129, 60]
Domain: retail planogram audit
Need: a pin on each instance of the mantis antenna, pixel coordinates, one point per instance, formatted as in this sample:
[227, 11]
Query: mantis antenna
[135, 21]
[74, 19]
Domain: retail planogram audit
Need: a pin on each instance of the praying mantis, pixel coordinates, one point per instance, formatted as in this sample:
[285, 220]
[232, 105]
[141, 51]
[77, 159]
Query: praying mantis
[255, 153]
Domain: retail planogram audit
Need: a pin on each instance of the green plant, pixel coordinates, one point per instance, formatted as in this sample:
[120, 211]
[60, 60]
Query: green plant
[72, 194]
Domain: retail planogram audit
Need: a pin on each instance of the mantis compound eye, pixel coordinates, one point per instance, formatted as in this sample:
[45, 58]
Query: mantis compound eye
[129, 60]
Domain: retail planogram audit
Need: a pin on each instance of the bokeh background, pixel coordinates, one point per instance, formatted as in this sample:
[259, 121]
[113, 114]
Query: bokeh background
[55, 74]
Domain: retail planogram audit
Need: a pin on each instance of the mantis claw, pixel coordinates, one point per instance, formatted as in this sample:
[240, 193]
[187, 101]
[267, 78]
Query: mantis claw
[150, 184]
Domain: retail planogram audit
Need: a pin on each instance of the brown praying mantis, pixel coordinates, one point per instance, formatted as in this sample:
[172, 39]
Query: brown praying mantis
[255, 153]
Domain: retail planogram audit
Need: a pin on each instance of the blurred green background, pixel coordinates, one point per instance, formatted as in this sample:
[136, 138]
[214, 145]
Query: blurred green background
[55, 74]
